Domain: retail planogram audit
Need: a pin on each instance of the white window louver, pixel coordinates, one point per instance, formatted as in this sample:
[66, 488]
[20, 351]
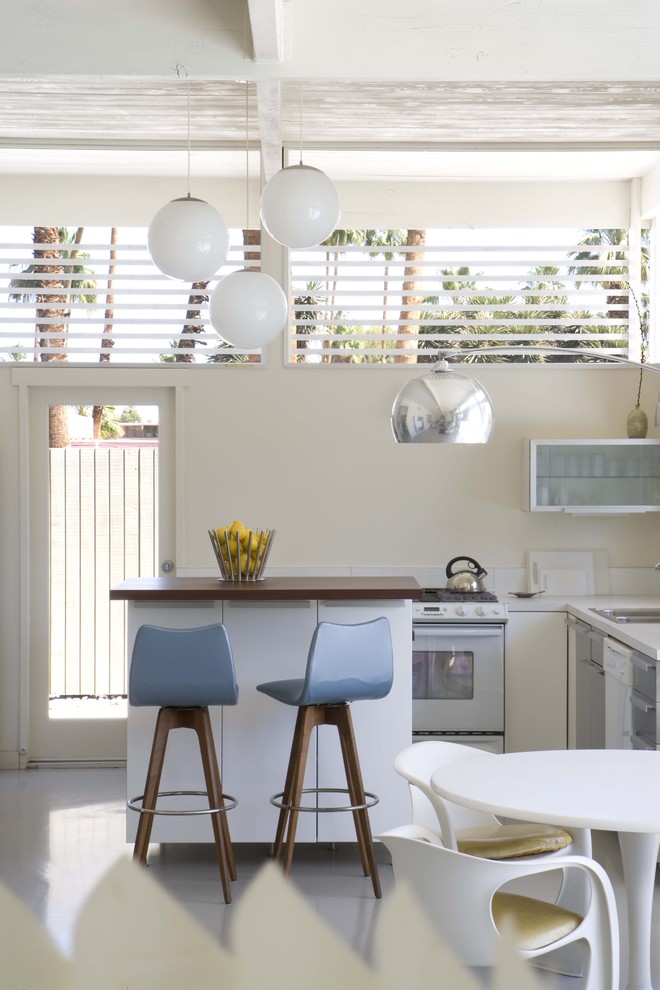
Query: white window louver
[384, 304]
[108, 303]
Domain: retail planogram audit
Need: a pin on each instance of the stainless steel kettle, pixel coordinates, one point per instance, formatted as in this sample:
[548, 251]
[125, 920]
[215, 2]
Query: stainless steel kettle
[465, 581]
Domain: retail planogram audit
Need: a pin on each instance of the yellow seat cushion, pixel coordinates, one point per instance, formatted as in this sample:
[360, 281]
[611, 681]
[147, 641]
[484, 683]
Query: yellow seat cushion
[511, 841]
[535, 923]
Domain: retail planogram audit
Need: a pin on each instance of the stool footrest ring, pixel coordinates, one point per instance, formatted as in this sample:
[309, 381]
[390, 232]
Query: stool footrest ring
[370, 800]
[135, 804]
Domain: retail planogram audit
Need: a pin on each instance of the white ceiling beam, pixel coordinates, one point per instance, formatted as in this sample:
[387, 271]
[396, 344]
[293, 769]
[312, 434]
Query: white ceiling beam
[650, 194]
[269, 108]
[267, 27]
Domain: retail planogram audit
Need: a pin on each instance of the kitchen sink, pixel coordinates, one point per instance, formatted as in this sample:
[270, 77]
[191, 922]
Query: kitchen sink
[629, 614]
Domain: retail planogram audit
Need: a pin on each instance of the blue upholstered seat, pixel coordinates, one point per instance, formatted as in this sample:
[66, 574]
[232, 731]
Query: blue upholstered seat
[182, 668]
[345, 663]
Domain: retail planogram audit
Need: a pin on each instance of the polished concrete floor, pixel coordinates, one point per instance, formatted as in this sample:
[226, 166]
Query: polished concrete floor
[60, 830]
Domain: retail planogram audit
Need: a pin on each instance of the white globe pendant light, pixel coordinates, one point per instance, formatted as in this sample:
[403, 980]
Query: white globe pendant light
[248, 309]
[300, 206]
[188, 240]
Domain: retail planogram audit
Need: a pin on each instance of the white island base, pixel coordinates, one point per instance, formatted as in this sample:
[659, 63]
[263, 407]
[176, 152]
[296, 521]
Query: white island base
[270, 640]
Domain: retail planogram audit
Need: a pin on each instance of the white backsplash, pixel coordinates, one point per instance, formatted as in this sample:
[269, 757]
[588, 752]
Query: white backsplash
[500, 580]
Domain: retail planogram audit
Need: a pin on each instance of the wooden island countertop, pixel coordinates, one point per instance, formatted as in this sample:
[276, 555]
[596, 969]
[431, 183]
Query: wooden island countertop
[181, 589]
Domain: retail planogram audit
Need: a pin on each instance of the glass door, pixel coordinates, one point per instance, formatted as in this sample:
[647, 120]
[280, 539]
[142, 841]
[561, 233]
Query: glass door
[99, 512]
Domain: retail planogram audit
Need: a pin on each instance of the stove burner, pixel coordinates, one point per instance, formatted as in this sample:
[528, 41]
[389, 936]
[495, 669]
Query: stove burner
[445, 595]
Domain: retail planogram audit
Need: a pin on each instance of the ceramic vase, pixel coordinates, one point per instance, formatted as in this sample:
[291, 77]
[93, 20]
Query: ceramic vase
[637, 424]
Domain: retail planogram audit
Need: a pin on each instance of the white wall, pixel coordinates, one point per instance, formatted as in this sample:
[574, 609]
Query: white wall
[309, 451]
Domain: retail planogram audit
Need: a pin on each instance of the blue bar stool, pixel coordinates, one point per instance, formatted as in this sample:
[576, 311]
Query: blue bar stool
[345, 663]
[182, 672]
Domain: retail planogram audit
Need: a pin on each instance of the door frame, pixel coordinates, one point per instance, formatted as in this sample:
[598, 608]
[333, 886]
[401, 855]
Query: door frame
[136, 384]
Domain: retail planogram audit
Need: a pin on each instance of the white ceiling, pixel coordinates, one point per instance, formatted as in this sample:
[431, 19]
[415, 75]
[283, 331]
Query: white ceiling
[352, 129]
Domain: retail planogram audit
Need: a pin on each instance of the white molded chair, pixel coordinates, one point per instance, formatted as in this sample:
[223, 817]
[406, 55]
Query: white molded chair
[468, 830]
[464, 900]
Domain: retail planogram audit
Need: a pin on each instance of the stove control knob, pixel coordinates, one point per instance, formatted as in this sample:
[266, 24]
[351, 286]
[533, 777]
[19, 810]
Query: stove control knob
[482, 610]
[461, 610]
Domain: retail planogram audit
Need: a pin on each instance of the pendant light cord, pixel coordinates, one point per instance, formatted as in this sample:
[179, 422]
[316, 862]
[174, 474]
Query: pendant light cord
[181, 71]
[247, 155]
[300, 111]
[188, 88]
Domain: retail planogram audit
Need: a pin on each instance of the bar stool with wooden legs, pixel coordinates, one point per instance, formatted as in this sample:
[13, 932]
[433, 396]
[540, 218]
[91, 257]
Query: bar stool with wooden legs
[182, 672]
[345, 663]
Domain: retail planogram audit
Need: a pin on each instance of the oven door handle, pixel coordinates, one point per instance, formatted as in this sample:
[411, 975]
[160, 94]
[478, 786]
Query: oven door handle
[444, 629]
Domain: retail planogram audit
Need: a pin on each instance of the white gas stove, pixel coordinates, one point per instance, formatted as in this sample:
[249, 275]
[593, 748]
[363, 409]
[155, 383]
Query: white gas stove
[441, 605]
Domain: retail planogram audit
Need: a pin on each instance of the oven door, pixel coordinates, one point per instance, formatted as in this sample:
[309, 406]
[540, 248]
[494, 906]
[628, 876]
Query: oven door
[458, 677]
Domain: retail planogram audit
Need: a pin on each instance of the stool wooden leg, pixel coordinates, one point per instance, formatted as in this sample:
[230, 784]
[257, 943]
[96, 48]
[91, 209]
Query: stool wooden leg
[356, 792]
[355, 795]
[201, 723]
[294, 761]
[307, 719]
[164, 723]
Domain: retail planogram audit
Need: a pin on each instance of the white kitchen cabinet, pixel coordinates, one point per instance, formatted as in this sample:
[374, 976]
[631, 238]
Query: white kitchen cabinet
[270, 641]
[536, 681]
[382, 729]
[591, 476]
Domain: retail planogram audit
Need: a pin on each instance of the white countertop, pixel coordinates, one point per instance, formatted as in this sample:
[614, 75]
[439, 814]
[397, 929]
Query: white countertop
[642, 636]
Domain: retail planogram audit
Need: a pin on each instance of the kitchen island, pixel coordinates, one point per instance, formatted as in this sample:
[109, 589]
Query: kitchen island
[270, 625]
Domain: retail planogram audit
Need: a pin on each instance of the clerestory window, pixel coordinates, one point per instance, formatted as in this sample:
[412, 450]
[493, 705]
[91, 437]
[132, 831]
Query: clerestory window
[365, 298]
[400, 296]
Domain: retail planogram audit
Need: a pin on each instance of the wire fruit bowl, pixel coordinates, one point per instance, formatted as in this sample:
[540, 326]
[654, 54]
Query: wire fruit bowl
[241, 554]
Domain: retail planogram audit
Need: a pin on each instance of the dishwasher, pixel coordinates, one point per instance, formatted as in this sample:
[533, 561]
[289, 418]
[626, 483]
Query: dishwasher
[589, 684]
[618, 670]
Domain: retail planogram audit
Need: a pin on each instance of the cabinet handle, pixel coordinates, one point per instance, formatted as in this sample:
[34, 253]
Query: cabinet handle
[363, 603]
[637, 701]
[642, 662]
[294, 603]
[639, 742]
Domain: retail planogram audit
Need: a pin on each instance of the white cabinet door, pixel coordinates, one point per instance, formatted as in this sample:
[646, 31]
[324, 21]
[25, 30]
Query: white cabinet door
[270, 642]
[382, 729]
[591, 476]
[536, 681]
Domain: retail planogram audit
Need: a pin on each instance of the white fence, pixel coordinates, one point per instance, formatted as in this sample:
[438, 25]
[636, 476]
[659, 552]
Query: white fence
[103, 528]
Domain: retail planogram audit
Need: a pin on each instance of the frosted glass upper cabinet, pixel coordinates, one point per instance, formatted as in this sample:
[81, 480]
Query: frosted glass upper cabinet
[591, 476]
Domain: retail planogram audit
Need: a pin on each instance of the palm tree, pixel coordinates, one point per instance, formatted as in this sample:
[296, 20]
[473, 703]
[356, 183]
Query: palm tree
[305, 308]
[455, 283]
[193, 325]
[338, 238]
[611, 262]
[385, 239]
[413, 298]
[52, 291]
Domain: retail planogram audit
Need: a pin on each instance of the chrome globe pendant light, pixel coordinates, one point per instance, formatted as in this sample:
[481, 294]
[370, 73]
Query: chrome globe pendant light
[299, 204]
[188, 239]
[445, 406]
[442, 407]
[248, 308]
